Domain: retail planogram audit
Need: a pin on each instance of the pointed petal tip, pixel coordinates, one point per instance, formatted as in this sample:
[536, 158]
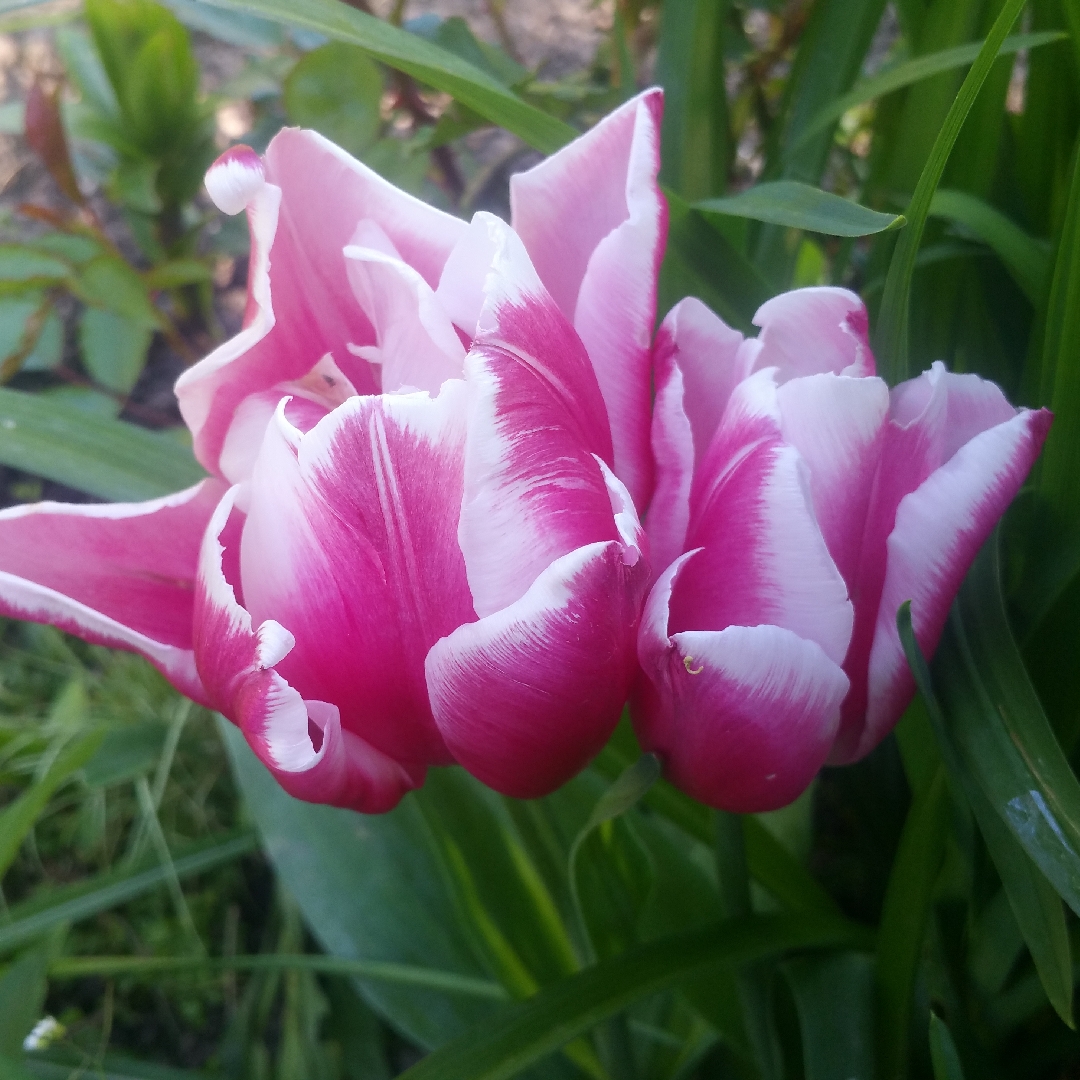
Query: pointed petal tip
[235, 179]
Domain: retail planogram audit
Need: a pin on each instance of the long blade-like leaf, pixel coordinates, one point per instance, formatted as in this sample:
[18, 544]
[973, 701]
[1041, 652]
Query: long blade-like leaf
[913, 71]
[525, 1033]
[33, 917]
[802, 206]
[891, 338]
[420, 58]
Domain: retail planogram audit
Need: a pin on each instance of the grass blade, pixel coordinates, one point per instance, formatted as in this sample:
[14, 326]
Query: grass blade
[524, 1034]
[909, 72]
[33, 917]
[891, 339]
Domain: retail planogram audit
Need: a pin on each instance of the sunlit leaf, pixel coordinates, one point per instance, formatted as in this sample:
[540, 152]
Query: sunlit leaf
[801, 206]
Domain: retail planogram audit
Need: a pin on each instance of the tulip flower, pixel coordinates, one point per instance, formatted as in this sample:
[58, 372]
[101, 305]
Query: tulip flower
[798, 504]
[413, 547]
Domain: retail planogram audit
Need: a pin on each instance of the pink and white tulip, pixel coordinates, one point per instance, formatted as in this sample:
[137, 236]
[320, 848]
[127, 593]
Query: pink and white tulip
[798, 504]
[416, 544]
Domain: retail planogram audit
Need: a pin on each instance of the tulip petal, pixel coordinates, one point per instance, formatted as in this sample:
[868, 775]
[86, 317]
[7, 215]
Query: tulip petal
[533, 492]
[814, 330]
[763, 557]
[351, 542]
[528, 695]
[939, 529]
[698, 361]
[416, 344]
[238, 664]
[594, 222]
[930, 418]
[120, 574]
[837, 424]
[743, 717]
[301, 307]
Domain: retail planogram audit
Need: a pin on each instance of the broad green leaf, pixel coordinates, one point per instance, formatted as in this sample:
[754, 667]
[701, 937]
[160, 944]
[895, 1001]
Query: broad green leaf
[695, 140]
[84, 68]
[113, 349]
[907, 72]
[891, 337]
[800, 206]
[18, 817]
[22, 996]
[1035, 905]
[66, 1062]
[371, 889]
[943, 1055]
[106, 458]
[423, 60]
[611, 873]
[48, 910]
[243, 31]
[1026, 258]
[110, 283]
[995, 722]
[834, 996]
[523, 1034]
[26, 265]
[337, 90]
[15, 311]
[903, 923]
[74, 247]
[501, 898]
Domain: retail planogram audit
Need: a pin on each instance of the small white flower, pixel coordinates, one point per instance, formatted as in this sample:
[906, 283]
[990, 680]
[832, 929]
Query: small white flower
[47, 1030]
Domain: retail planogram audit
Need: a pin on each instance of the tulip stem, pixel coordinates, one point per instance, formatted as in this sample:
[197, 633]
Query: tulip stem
[754, 981]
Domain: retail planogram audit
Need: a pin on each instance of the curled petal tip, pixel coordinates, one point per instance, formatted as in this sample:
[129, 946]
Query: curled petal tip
[235, 179]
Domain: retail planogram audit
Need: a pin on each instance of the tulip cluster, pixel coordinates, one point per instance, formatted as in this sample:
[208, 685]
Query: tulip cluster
[428, 449]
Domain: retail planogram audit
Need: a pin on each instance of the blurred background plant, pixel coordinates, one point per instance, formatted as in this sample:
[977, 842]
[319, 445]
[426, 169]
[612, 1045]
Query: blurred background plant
[177, 915]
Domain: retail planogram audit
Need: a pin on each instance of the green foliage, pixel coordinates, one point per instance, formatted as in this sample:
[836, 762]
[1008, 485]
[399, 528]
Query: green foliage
[920, 920]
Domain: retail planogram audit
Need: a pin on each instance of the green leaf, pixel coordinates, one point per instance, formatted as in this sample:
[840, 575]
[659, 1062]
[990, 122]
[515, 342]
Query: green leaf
[943, 1055]
[1034, 903]
[176, 273]
[996, 724]
[26, 265]
[903, 922]
[370, 889]
[113, 349]
[22, 997]
[125, 752]
[611, 873]
[15, 311]
[800, 206]
[834, 997]
[907, 72]
[700, 261]
[337, 90]
[84, 68]
[46, 911]
[891, 338]
[695, 140]
[445, 982]
[19, 816]
[523, 1034]
[1026, 258]
[454, 35]
[106, 458]
[108, 282]
[425, 61]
